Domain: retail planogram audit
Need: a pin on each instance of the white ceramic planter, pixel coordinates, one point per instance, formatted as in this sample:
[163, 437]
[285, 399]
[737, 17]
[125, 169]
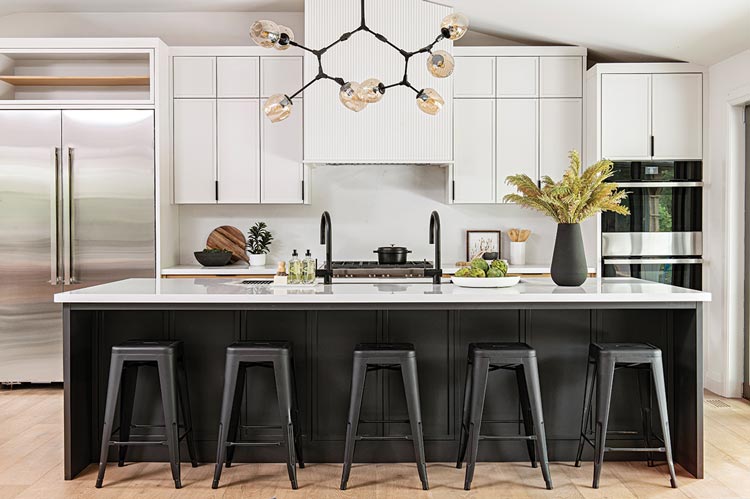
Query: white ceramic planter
[257, 260]
[518, 253]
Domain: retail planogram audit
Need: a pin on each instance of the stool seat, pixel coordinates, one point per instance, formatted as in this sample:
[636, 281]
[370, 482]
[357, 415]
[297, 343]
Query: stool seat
[626, 352]
[369, 357]
[260, 348]
[126, 360]
[501, 350]
[147, 348]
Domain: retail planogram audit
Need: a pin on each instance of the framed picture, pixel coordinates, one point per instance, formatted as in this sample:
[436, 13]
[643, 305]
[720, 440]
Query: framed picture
[479, 242]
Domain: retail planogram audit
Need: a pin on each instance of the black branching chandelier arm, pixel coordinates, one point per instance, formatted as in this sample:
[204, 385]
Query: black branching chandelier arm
[356, 96]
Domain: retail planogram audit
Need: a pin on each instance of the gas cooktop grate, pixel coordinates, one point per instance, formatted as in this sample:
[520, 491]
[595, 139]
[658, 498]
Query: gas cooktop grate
[424, 264]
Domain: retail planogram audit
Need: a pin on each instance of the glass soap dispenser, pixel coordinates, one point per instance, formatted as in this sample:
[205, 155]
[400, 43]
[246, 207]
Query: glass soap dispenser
[295, 269]
[308, 268]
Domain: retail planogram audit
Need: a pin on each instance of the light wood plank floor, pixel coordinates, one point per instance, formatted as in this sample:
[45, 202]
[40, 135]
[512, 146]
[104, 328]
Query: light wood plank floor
[31, 467]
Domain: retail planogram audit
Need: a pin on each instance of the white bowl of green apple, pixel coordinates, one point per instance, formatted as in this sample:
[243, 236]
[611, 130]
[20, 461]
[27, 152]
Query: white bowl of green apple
[483, 274]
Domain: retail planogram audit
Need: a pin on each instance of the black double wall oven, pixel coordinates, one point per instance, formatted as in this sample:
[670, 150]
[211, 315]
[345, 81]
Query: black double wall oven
[661, 240]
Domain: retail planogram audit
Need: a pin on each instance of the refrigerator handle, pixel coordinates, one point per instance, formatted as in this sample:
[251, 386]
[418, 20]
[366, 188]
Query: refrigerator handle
[69, 270]
[55, 239]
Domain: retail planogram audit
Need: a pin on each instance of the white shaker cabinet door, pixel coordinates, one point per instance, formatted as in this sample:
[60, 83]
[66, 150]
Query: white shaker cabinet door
[626, 116]
[280, 75]
[238, 151]
[237, 77]
[194, 150]
[474, 77]
[561, 77]
[560, 131]
[517, 141]
[677, 116]
[194, 77]
[282, 172]
[474, 151]
[517, 77]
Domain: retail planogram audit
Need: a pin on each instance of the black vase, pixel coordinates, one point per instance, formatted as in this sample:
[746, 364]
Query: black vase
[569, 259]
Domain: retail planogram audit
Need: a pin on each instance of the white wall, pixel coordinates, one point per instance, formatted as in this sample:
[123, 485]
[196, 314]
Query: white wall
[174, 28]
[373, 206]
[724, 334]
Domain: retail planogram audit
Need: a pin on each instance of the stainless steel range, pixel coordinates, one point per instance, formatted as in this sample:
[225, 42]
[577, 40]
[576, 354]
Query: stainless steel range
[353, 269]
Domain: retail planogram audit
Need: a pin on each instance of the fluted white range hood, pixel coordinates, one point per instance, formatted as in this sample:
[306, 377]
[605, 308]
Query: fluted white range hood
[394, 130]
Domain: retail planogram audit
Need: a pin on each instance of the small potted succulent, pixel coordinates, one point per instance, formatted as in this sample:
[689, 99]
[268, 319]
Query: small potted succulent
[258, 241]
[576, 197]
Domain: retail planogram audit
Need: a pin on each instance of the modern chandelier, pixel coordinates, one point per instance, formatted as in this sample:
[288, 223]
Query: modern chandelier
[356, 96]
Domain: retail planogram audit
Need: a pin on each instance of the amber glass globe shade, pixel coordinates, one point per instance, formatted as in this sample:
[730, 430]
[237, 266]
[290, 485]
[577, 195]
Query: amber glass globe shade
[440, 64]
[429, 101]
[278, 107]
[265, 33]
[349, 95]
[454, 26]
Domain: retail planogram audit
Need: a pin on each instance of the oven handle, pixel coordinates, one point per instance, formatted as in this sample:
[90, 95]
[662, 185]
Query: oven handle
[646, 261]
[659, 184]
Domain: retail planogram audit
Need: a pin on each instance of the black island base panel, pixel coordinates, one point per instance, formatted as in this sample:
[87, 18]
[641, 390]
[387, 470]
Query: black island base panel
[323, 343]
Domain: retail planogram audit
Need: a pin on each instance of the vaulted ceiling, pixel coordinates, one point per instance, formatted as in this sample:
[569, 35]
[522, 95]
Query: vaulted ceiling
[700, 31]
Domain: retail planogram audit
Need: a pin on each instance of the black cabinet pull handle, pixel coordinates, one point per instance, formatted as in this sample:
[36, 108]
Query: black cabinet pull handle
[652, 145]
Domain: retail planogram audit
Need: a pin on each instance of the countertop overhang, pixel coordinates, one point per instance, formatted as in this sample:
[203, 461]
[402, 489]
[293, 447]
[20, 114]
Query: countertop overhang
[232, 291]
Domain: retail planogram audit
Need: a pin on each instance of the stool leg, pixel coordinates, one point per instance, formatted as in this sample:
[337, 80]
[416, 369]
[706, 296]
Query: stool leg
[528, 425]
[186, 411]
[604, 379]
[531, 374]
[295, 419]
[644, 393]
[661, 399]
[283, 374]
[168, 383]
[479, 374]
[463, 438]
[231, 373]
[411, 388]
[359, 372]
[588, 395]
[127, 396]
[113, 389]
[235, 413]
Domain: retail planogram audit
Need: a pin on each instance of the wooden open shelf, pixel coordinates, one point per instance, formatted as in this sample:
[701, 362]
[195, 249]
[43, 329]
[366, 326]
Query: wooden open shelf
[71, 81]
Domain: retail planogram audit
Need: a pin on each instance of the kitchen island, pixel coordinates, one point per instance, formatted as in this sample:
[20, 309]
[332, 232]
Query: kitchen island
[326, 321]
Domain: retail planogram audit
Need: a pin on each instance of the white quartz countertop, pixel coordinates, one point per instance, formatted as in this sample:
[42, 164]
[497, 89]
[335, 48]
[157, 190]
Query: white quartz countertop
[244, 269]
[529, 290]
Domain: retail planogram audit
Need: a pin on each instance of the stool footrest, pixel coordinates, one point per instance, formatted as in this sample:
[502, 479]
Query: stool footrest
[383, 421]
[147, 442]
[634, 449]
[507, 437]
[260, 426]
[254, 444]
[394, 438]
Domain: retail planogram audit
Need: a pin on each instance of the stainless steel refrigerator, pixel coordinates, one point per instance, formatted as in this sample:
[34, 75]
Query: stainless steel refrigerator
[76, 209]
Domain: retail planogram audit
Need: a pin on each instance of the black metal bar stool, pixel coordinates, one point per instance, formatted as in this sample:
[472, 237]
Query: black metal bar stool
[604, 359]
[374, 357]
[127, 359]
[483, 359]
[276, 355]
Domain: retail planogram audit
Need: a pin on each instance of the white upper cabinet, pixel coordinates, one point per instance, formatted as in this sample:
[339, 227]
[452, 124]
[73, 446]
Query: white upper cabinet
[282, 172]
[238, 150]
[474, 141]
[237, 77]
[677, 116]
[280, 75]
[517, 138]
[517, 77]
[194, 150]
[560, 131]
[194, 77]
[474, 77]
[561, 77]
[626, 116]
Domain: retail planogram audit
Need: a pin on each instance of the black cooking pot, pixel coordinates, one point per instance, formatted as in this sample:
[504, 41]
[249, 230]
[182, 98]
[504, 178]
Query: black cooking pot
[392, 255]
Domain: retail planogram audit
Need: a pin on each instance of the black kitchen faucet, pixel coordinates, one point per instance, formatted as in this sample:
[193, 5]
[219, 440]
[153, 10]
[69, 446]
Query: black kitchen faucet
[436, 272]
[325, 238]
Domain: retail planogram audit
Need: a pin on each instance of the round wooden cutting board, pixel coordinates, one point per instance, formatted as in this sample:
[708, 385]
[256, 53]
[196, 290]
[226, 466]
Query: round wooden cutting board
[231, 239]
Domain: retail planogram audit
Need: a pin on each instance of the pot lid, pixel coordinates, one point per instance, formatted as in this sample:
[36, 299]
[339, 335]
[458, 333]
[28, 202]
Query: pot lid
[391, 249]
